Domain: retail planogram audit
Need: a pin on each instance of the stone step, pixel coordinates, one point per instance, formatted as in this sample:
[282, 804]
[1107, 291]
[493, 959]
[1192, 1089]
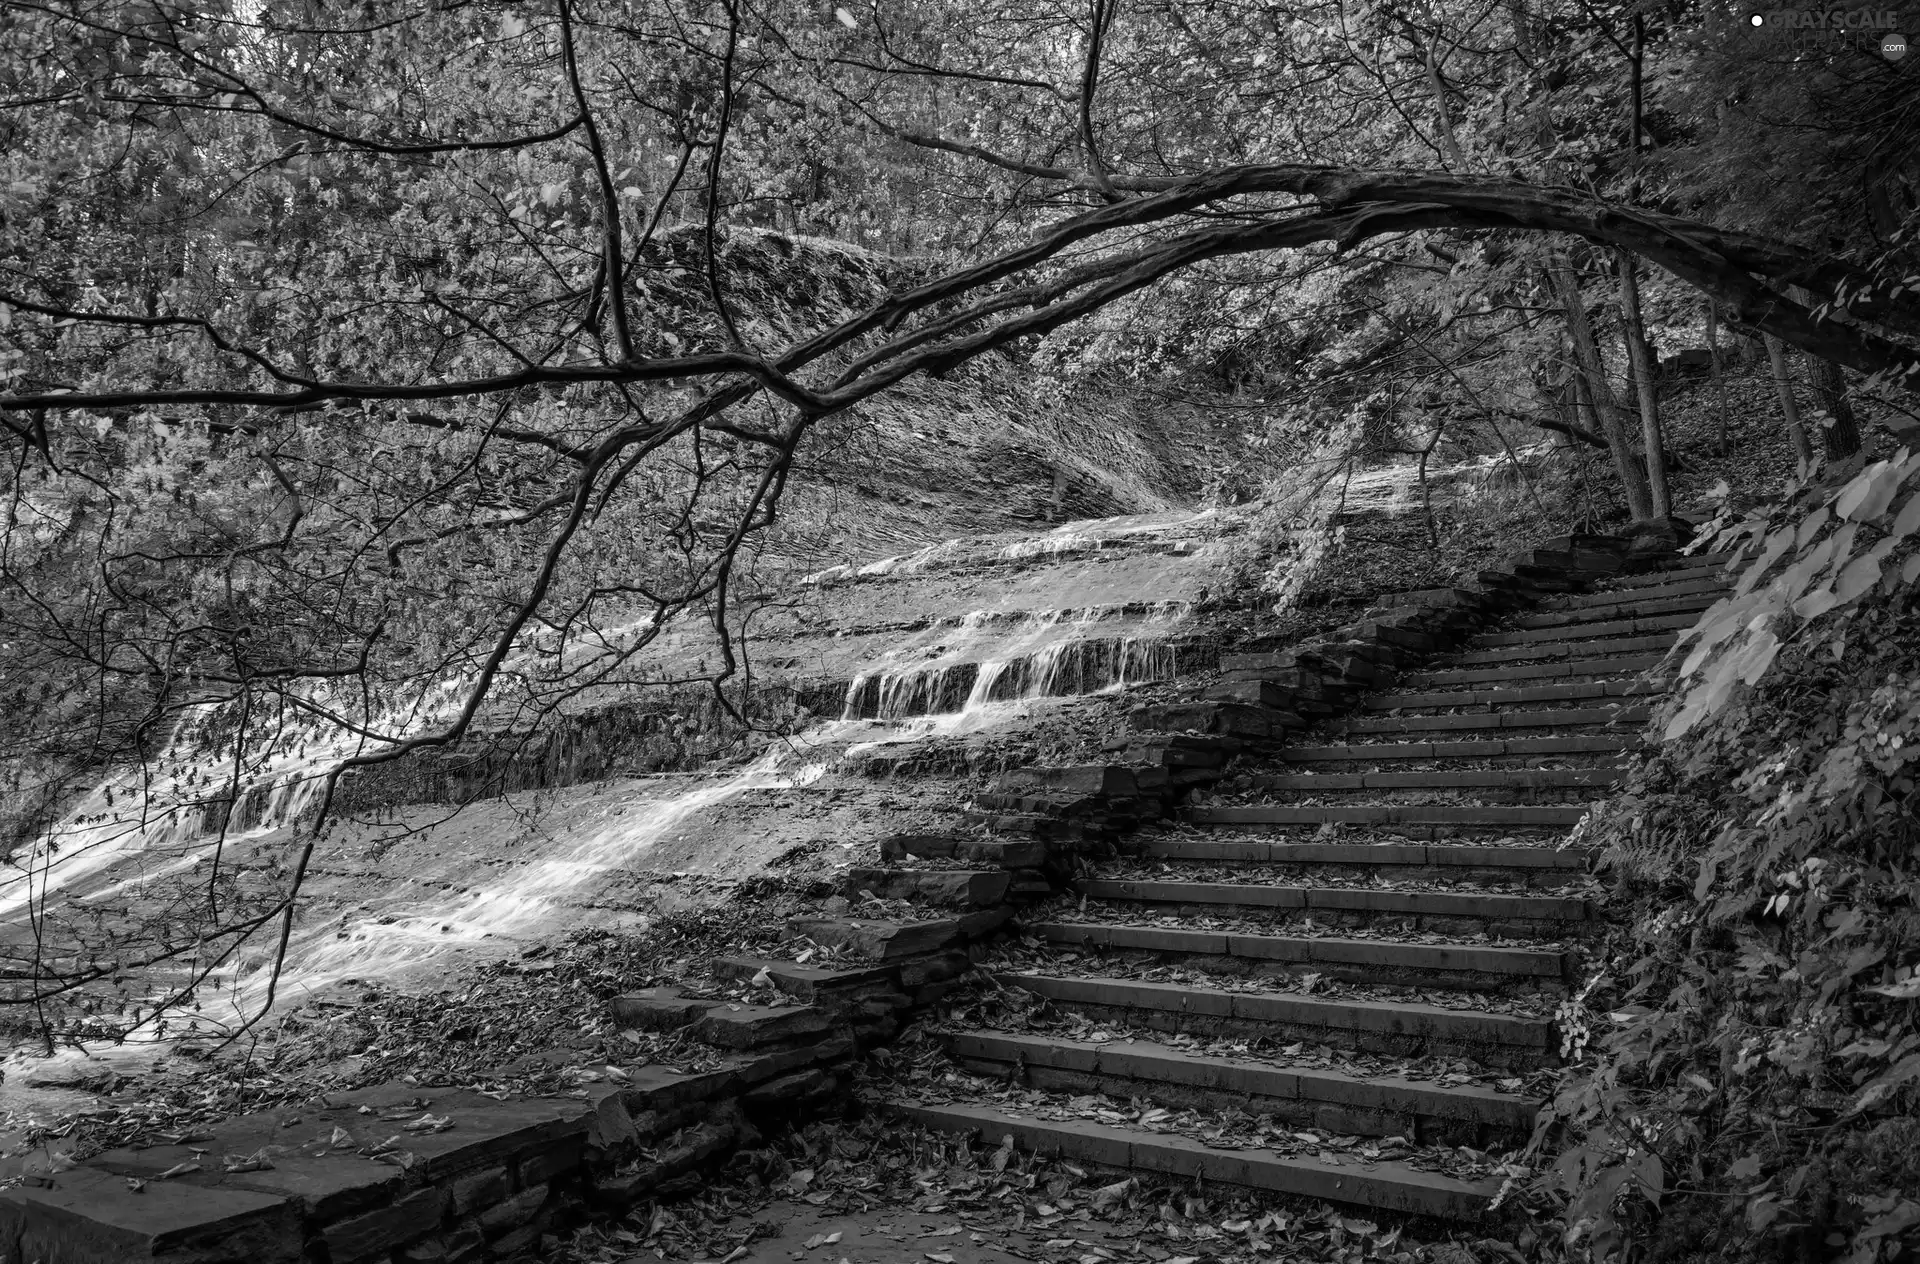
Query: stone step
[1524, 747]
[1691, 561]
[1472, 779]
[1520, 862]
[1712, 586]
[1565, 717]
[817, 984]
[1566, 651]
[1384, 960]
[874, 939]
[1419, 1110]
[1591, 616]
[1489, 816]
[1272, 896]
[1005, 853]
[1391, 1027]
[966, 888]
[1383, 1186]
[1694, 569]
[1570, 691]
[1575, 669]
[1588, 630]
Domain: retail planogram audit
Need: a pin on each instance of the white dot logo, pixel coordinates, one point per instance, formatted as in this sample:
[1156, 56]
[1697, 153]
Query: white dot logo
[1757, 20]
[1893, 47]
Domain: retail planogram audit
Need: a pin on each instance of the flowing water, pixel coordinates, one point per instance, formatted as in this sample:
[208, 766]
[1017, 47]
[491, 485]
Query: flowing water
[149, 833]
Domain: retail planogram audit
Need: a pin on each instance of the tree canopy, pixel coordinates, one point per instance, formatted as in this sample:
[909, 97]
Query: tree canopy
[349, 350]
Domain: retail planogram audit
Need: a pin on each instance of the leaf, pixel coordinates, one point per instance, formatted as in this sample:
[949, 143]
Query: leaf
[1861, 573]
[1813, 605]
[1777, 545]
[1810, 527]
[1758, 655]
[1910, 570]
[846, 19]
[1905, 990]
[1869, 493]
[1907, 521]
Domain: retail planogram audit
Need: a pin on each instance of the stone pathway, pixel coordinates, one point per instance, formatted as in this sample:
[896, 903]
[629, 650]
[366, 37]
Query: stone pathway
[1336, 976]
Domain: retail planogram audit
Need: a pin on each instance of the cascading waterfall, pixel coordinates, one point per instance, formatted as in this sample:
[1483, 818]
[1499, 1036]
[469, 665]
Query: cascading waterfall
[1052, 653]
[197, 792]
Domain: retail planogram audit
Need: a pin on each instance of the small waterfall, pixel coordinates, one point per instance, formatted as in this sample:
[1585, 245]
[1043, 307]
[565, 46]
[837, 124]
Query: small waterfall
[1053, 653]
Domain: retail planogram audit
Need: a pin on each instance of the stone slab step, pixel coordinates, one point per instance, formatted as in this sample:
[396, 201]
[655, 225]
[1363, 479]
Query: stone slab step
[1567, 650]
[1487, 815]
[806, 983]
[871, 939]
[1341, 899]
[1713, 585]
[1576, 669]
[1569, 692]
[1530, 747]
[1474, 779]
[1421, 855]
[966, 888]
[1565, 717]
[1690, 561]
[1694, 568]
[1380, 1186]
[1412, 960]
[1006, 853]
[1647, 607]
[1405, 1028]
[1587, 630]
[1386, 1105]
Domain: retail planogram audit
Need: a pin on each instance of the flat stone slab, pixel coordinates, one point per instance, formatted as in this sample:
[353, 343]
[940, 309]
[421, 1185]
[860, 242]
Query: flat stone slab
[657, 1009]
[1368, 752]
[1568, 649]
[1476, 779]
[1312, 949]
[752, 1026]
[1412, 854]
[875, 940]
[1564, 717]
[1385, 1186]
[965, 887]
[1407, 1020]
[1145, 1060]
[1487, 815]
[90, 1216]
[1571, 691]
[1369, 899]
[1564, 669]
[1006, 853]
[806, 983]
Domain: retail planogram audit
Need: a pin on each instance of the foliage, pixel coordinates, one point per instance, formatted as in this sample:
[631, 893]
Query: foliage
[1746, 1061]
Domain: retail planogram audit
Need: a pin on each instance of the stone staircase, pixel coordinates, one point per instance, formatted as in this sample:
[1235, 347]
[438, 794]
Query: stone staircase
[1335, 976]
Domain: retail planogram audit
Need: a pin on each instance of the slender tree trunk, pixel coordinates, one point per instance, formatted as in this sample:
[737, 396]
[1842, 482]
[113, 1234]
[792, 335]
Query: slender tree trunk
[1840, 432]
[1789, 410]
[1606, 410]
[1642, 360]
[1718, 370]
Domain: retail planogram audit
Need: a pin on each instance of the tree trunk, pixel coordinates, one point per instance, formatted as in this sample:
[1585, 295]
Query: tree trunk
[1606, 410]
[1840, 433]
[1642, 360]
[1789, 410]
